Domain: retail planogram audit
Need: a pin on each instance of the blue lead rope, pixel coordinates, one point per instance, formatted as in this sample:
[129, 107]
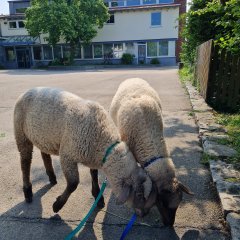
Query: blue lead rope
[129, 226]
[78, 228]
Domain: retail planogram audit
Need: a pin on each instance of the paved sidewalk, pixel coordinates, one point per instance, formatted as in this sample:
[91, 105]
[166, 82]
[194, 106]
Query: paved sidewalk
[211, 135]
[199, 217]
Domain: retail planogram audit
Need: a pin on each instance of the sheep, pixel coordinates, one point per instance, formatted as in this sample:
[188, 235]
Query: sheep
[78, 131]
[136, 110]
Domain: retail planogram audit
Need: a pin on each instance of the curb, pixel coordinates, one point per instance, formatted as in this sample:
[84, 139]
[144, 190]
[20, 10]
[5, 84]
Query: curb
[105, 67]
[210, 133]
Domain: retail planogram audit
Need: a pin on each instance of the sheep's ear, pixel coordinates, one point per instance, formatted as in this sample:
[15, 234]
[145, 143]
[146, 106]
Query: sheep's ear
[185, 189]
[124, 195]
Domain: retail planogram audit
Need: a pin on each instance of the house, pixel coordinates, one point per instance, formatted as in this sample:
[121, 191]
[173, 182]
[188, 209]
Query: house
[145, 28]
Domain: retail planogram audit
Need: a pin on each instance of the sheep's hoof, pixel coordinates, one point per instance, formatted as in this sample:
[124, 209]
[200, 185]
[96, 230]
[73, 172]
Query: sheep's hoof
[101, 203]
[28, 194]
[57, 206]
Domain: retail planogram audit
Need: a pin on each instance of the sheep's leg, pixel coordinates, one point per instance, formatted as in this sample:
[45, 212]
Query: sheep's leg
[71, 174]
[47, 160]
[26, 148]
[95, 187]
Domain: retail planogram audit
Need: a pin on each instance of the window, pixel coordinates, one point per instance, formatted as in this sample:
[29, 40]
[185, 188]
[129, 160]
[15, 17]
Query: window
[156, 19]
[77, 53]
[152, 50]
[149, 1]
[111, 19]
[12, 25]
[88, 53]
[117, 4]
[57, 50]
[155, 49]
[21, 10]
[133, 2]
[166, 1]
[106, 4]
[37, 53]
[66, 51]
[129, 47]
[108, 49]
[98, 51]
[163, 48]
[21, 24]
[16, 24]
[47, 53]
[118, 50]
[10, 54]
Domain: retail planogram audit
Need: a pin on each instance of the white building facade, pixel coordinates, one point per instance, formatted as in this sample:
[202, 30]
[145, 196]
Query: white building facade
[147, 29]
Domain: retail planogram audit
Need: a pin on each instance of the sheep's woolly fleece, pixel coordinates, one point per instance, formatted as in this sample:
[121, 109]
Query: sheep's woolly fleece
[61, 123]
[136, 110]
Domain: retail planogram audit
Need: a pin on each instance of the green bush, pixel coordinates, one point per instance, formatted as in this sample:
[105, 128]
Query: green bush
[60, 62]
[154, 61]
[127, 58]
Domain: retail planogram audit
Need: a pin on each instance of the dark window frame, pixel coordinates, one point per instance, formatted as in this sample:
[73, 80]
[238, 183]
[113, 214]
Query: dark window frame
[111, 20]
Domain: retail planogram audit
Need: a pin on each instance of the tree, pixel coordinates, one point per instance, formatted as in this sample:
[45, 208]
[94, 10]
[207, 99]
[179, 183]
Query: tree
[73, 21]
[228, 19]
[215, 19]
[197, 29]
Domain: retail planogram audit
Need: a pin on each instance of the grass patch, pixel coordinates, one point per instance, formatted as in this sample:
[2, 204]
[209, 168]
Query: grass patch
[191, 113]
[186, 74]
[232, 180]
[232, 123]
[205, 159]
[224, 141]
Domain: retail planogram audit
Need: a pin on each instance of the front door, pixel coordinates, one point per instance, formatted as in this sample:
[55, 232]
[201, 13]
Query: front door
[141, 53]
[23, 57]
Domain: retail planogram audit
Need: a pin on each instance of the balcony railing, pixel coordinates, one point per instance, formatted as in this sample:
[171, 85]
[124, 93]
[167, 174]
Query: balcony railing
[128, 3]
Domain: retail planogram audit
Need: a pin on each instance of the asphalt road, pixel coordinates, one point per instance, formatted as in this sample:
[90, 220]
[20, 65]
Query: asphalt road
[198, 217]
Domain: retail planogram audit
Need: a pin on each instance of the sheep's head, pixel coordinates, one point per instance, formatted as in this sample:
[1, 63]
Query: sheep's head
[168, 199]
[135, 189]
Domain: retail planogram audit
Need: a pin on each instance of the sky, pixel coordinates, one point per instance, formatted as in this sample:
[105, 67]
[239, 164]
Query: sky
[4, 6]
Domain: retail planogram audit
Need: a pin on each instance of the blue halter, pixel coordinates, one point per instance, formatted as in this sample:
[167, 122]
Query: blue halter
[152, 160]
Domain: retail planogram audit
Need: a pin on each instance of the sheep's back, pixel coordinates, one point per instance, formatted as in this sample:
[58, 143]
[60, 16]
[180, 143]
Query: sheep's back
[45, 113]
[129, 90]
[137, 113]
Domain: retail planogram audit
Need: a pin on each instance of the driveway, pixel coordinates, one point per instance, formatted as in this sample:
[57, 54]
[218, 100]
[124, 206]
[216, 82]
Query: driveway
[198, 217]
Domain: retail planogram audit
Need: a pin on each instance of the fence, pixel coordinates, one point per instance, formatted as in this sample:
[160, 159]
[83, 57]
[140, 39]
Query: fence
[218, 74]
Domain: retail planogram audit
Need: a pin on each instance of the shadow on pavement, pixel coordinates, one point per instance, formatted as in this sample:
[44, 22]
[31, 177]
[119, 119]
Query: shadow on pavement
[24, 221]
[117, 217]
[88, 231]
[191, 235]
